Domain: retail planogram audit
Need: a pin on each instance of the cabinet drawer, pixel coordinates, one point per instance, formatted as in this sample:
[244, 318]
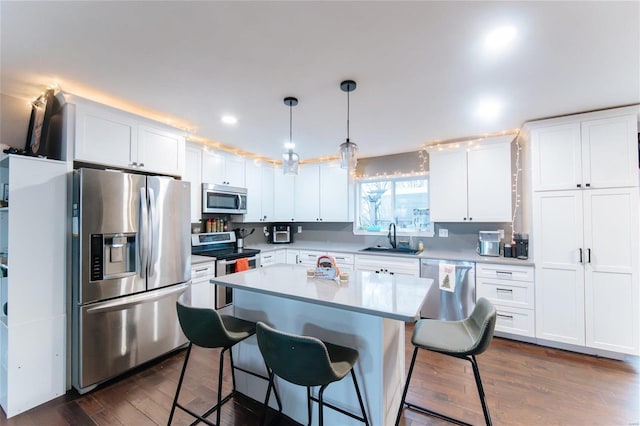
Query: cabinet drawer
[515, 321]
[308, 257]
[517, 294]
[343, 258]
[202, 270]
[504, 272]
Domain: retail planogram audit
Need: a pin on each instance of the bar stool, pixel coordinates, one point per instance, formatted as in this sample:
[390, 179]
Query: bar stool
[307, 361]
[460, 339]
[206, 328]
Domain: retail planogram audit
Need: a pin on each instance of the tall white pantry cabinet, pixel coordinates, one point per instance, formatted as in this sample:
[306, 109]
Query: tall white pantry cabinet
[33, 323]
[586, 233]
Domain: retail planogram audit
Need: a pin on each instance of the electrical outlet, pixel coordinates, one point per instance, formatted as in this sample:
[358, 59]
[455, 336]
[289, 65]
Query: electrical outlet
[299, 229]
[443, 232]
[501, 233]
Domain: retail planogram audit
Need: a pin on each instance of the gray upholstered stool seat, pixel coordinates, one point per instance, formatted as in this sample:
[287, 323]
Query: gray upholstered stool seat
[461, 339]
[307, 361]
[206, 328]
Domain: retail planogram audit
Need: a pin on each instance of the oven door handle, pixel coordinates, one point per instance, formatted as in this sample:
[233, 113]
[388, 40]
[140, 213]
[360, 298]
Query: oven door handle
[232, 262]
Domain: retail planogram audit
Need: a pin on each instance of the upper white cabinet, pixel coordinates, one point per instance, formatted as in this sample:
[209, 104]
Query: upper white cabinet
[321, 193]
[193, 174]
[471, 183]
[333, 192]
[307, 193]
[223, 168]
[260, 178]
[111, 137]
[283, 197]
[595, 150]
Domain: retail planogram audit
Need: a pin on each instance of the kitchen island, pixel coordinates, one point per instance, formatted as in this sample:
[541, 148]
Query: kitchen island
[367, 313]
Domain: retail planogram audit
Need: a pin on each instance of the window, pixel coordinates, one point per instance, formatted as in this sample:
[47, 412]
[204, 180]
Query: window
[403, 201]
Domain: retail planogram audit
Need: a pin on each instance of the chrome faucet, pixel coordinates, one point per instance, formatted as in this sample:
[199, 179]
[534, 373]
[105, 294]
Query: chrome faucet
[392, 241]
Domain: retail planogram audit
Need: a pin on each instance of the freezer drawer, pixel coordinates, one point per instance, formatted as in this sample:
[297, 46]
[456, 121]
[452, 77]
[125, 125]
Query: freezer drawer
[123, 333]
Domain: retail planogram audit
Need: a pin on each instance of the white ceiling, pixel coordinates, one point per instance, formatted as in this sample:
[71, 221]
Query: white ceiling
[420, 66]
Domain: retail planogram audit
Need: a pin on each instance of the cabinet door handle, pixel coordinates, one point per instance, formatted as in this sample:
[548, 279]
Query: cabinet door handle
[140, 164]
[470, 218]
[201, 270]
[580, 255]
[579, 185]
[505, 289]
[464, 218]
[588, 185]
[509, 273]
[588, 255]
[505, 316]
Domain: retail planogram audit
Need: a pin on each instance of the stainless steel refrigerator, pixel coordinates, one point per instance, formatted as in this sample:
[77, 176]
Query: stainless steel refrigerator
[131, 261]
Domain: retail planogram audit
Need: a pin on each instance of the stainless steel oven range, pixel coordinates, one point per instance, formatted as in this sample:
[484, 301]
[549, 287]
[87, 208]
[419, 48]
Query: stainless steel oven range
[222, 246]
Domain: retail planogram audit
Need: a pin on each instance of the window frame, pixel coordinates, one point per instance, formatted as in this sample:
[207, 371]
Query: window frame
[428, 232]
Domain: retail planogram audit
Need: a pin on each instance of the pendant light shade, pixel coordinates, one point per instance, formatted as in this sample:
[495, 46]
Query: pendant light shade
[348, 149]
[290, 160]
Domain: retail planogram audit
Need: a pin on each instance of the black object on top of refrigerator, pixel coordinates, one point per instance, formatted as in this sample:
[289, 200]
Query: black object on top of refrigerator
[131, 261]
[452, 295]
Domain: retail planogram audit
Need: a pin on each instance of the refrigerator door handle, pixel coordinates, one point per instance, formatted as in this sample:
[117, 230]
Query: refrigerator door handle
[142, 233]
[153, 231]
[126, 302]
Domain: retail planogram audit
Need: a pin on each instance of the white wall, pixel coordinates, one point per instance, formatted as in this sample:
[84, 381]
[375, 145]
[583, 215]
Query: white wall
[14, 121]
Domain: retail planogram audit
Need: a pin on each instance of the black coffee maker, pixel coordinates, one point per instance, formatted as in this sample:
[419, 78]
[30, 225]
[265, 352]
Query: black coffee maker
[521, 246]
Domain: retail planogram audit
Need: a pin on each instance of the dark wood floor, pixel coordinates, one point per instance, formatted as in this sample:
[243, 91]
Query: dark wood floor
[525, 385]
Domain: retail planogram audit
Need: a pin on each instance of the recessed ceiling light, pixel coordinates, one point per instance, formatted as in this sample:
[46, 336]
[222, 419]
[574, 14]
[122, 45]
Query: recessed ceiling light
[500, 38]
[489, 109]
[229, 119]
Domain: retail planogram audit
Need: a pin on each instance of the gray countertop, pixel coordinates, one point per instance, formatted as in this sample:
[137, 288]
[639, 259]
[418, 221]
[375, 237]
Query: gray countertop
[462, 254]
[396, 296]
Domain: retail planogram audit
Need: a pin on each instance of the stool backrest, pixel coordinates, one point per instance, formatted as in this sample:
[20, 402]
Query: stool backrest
[481, 324]
[203, 326]
[302, 360]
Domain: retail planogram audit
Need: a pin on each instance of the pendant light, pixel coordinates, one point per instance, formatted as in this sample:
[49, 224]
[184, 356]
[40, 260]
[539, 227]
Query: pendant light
[290, 160]
[348, 149]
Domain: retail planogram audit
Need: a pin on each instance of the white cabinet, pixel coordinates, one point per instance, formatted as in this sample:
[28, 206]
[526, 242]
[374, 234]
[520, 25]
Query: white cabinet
[193, 174]
[333, 192]
[584, 172]
[586, 253]
[283, 197]
[33, 321]
[223, 168]
[273, 257]
[202, 291]
[388, 265]
[510, 288]
[585, 151]
[260, 191]
[307, 197]
[319, 193]
[471, 183]
[107, 136]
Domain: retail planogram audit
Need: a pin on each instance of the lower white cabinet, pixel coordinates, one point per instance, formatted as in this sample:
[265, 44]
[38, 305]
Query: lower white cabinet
[33, 319]
[273, 257]
[510, 288]
[388, 265]
[587, 260]
[202, 291]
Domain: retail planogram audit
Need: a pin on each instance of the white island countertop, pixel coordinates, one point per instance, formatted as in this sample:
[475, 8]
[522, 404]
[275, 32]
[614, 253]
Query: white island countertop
[397, 297]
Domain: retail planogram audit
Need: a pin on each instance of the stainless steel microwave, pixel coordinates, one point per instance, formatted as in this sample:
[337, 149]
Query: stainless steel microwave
[223, 199]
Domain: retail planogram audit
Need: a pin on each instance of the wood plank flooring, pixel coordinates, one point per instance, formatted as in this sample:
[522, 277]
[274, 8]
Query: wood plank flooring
[525, 385]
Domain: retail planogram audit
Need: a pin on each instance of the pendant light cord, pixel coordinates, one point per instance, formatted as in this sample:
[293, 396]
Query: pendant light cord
[348, 116]
[290, 126]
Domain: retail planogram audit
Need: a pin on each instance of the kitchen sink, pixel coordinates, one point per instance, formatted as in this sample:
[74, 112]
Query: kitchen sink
[400, 250]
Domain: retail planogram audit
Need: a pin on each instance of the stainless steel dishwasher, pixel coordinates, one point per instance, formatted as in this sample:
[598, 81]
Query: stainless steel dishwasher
[453, 293]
